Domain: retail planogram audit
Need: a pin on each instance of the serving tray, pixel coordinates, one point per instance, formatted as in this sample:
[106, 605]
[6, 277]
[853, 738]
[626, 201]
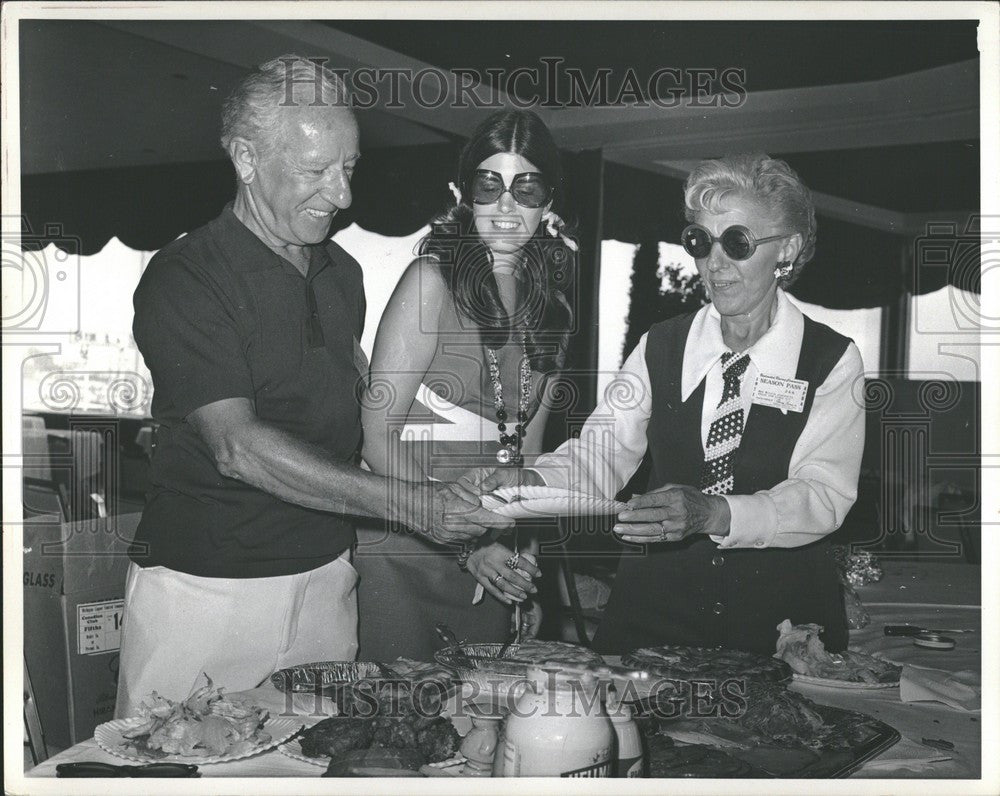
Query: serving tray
[871, 737]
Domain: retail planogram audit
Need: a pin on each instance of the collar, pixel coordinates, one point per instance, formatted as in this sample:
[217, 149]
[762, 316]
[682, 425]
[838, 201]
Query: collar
[776, 353]
[248, 253]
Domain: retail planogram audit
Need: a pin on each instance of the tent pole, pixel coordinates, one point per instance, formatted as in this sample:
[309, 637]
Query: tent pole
[896, 319]
[590, 206]
[585, 181]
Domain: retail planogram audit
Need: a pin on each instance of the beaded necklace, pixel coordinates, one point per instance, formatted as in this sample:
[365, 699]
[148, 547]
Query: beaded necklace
[510, 444]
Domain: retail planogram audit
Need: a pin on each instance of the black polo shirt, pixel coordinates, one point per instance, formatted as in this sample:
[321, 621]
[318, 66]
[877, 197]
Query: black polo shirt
[219, 315]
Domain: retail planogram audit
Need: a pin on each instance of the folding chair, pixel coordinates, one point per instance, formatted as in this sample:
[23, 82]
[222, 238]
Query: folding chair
[44, 498]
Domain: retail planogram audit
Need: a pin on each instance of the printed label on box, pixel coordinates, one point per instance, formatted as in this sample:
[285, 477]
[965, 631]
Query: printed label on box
[99, 626]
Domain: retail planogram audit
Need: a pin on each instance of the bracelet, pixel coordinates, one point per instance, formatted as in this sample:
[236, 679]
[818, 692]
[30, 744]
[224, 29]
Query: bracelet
[463, 557]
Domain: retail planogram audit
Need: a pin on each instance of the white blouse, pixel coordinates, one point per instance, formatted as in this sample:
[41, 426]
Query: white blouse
[823, 471]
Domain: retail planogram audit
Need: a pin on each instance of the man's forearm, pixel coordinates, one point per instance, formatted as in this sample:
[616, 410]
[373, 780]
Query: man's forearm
[299, 472]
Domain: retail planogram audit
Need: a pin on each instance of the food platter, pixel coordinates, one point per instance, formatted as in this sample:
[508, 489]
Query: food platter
[505, 679]
[526, 502]
[684, 663]
[713, 747]
[849, 685]
[801, 648]
[309, 677]
[110, 738]
[293, 749]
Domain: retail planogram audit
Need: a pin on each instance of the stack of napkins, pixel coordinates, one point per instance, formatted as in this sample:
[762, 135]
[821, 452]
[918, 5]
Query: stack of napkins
[961, 690]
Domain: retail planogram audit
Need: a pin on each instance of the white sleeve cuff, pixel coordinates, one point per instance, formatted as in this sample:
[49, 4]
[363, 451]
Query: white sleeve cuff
[753, 521]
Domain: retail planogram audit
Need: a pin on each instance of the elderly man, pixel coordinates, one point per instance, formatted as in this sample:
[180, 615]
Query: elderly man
[250, 328]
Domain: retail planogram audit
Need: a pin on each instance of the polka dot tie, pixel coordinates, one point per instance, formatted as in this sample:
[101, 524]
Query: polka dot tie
[726, 431]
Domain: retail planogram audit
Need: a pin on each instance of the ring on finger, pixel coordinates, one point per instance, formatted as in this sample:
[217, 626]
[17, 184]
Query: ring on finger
[495, 580]
[511, 562]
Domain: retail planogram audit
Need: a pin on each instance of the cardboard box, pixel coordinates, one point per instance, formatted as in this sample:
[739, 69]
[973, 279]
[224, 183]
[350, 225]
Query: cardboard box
[74, 589]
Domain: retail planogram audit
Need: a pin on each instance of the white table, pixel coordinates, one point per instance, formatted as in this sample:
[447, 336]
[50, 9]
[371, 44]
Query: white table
[915, 721]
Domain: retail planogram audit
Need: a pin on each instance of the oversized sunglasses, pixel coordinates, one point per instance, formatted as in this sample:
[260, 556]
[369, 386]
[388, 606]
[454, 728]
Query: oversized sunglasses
[529, 189]
[737, 241]
[155, 770]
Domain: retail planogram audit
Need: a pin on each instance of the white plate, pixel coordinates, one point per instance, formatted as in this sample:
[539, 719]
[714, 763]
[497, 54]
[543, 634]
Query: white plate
[109, 737]
[525, 502]
[848, 684]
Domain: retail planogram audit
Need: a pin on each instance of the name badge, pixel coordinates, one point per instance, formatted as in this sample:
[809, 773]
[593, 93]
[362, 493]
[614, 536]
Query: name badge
[788, 395]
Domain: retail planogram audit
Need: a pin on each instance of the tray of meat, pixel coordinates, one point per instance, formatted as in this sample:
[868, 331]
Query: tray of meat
[773, 731]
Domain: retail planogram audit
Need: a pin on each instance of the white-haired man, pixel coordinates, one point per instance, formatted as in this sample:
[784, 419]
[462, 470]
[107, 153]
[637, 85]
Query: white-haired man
[250, 328]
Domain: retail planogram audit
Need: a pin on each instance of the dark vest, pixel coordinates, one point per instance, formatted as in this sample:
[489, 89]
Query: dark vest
[693, 592]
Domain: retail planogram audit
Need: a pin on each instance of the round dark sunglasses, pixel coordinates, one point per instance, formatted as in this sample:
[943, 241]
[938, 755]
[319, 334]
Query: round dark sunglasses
[737, 241]
[529, 189]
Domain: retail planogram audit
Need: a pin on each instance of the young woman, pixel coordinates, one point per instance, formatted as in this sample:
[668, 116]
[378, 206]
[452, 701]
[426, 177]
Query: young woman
[474, 330]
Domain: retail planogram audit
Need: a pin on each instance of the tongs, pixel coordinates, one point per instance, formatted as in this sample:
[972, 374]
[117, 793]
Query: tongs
[448, 637]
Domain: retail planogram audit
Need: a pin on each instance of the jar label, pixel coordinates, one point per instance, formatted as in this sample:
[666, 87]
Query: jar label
[630, 766]
[596, 770]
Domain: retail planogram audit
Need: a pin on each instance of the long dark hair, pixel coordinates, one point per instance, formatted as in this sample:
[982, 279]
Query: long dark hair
[549, 264]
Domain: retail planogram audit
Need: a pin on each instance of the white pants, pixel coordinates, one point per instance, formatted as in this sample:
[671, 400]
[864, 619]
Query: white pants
[236, 630]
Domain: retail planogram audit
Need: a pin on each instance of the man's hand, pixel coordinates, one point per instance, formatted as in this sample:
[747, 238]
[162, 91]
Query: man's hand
[486, 479]
[489, 565]
[443, 513]
[672, 513]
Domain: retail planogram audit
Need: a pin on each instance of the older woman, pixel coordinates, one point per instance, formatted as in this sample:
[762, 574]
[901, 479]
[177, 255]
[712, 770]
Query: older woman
[746, 409]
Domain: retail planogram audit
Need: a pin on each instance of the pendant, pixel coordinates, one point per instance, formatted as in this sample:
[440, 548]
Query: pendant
[504, 456]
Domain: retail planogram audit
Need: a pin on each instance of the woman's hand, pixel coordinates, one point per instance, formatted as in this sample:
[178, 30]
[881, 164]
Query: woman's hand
[514, 584]
[672, 513]
[531, 620]
[486, 479]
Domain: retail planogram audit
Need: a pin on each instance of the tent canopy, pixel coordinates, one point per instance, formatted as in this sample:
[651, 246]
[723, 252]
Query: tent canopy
[120, 123]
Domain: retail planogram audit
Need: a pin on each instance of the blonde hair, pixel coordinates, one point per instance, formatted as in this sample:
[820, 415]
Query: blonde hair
[768, 181]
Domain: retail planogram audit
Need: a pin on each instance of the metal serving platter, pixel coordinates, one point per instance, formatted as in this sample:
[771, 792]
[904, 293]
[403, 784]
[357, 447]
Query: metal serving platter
[872, 737]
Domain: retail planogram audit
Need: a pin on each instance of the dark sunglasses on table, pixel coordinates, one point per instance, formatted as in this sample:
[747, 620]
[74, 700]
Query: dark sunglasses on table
[95, 769]
[737, 241]
[529, 189]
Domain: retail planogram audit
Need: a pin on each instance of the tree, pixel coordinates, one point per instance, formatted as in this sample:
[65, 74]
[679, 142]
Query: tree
[658, 293]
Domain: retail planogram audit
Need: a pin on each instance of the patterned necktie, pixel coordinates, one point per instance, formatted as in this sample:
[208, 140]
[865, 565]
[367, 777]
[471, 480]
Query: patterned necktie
[726, 430]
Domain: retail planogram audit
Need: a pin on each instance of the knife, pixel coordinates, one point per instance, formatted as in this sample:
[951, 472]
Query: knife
[913, 630]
